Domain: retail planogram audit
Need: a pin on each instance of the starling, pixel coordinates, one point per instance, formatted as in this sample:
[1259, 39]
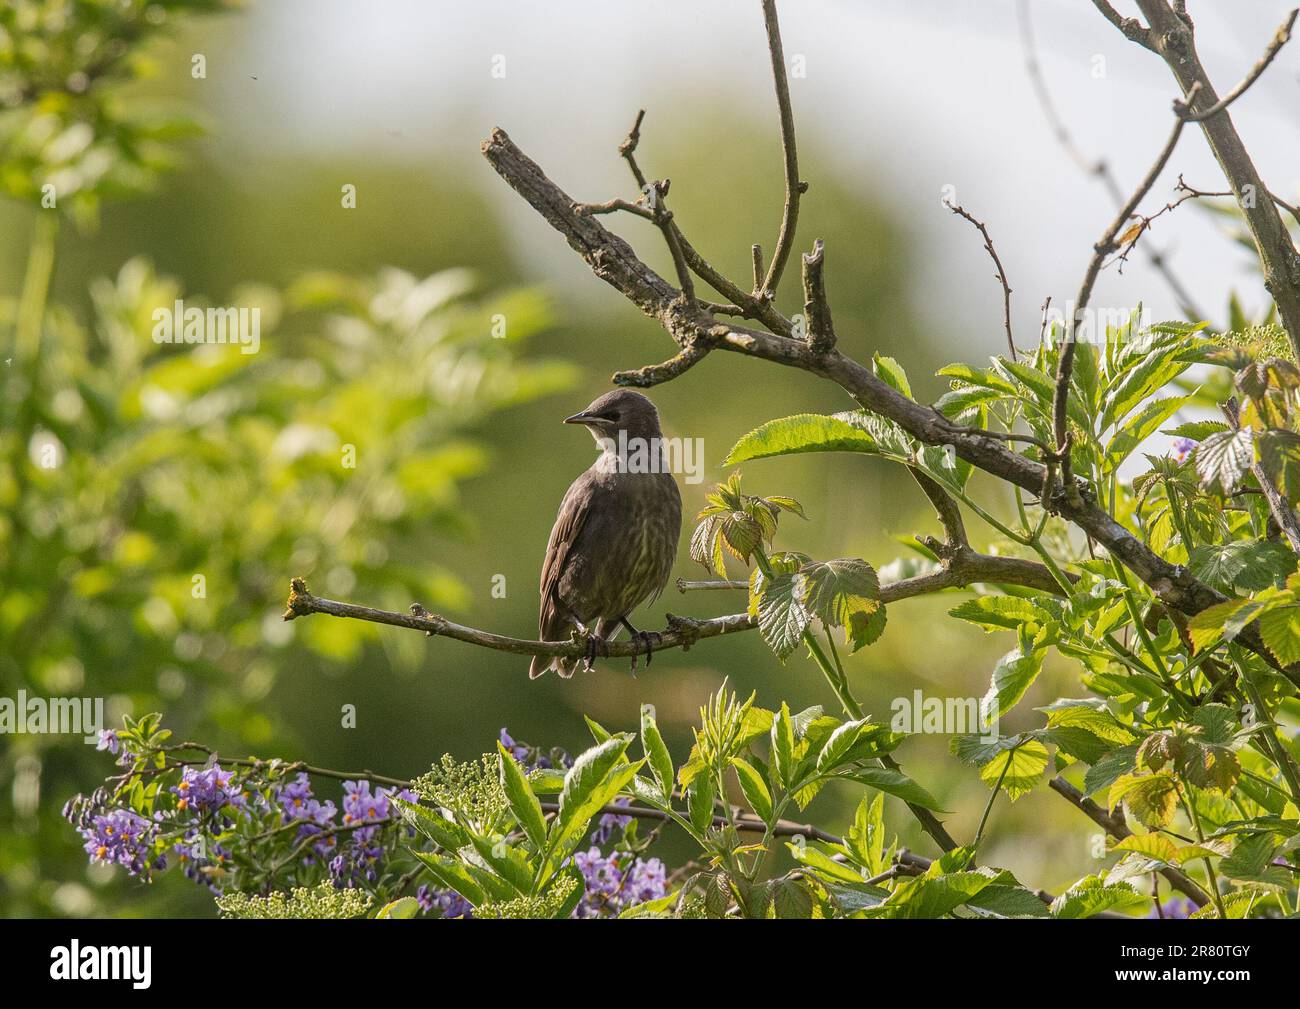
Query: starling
[615, 537]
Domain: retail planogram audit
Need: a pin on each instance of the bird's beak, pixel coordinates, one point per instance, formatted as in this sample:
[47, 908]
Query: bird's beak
[579, 418]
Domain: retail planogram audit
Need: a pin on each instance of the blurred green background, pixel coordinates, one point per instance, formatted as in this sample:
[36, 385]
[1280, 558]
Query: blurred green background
[177, 462]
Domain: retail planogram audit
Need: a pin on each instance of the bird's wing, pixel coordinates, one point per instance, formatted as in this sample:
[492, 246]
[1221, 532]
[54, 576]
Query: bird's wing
[568, 525]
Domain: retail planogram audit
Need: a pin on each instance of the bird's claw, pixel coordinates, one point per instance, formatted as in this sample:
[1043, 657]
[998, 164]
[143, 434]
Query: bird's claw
[595, 645]
[650, 640]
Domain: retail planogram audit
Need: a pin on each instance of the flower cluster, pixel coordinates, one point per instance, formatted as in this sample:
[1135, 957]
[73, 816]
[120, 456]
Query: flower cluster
[613, 882]
[361, 857]
[121, 837]
[207, 790]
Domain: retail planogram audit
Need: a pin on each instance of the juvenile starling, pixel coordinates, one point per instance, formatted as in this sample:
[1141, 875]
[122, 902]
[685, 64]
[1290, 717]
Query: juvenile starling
[615, 538]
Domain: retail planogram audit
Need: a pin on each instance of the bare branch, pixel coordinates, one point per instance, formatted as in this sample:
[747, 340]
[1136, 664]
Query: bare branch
[1114, 825]
[753, 305]
[1280, 38]
[1001, 274]
[1171, 33]
[816, 308]
[794, 188]
[1131, 27]
[1099, 168]
[682, 632]
[654, 374]
[1107, 245]
[613, 261]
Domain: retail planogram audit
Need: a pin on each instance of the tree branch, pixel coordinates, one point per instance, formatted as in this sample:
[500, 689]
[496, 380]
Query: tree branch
[1114, 825]
[1171, 34]
[1280, 38]
[1107, 245]
[1001, 274]
[682, 632]
[794, 188]
[816, 308]
[1099, 168]
[614, 261]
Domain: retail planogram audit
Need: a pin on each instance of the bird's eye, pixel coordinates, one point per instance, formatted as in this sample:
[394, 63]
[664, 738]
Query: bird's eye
[612, 415]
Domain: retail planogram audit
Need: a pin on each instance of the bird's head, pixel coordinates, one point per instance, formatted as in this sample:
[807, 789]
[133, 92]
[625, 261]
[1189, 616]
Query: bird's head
[620, 410]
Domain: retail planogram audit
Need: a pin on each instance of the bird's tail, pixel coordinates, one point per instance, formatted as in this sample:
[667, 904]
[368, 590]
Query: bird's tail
[563, 665]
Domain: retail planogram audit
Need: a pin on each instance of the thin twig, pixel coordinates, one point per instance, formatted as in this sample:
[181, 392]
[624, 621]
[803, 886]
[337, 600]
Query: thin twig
[794, 187]
[1280, 38]
[1001, 275]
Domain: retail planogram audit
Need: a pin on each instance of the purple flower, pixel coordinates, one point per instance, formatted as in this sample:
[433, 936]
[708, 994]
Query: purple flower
[297, 803]
[611, 824]
[120, 837]
[1175, 907]
[613, 882]
[206, 790]
[531, 758]
[443, 903]
[108, 741]
[199, 860]
[1183, 447]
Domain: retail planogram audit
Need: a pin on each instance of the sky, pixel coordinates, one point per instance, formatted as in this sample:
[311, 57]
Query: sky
[910, 97]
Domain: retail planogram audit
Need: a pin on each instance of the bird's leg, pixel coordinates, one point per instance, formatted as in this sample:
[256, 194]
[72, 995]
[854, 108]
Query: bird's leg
[595, 645]
[648, 638]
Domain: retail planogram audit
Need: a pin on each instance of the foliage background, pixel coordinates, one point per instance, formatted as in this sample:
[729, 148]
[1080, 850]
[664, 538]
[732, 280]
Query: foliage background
[295, 106]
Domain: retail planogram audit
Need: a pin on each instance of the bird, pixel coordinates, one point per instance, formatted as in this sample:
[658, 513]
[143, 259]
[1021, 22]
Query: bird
[616, 534]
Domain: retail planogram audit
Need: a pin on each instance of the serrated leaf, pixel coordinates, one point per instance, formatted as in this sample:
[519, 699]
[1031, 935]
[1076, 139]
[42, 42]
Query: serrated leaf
[1014, 673]
[1224, 458]
[804, 432]
[781, 618]
[1151, 798]
[523, 803]
[1091, 896]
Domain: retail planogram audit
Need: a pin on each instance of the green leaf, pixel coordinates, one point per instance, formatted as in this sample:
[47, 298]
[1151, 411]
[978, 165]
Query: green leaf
[432, 824]
[450, 874]
[1014, 673]
[783, 760]
[781, 618]
[1091, 896]
[804, 432]
[1154, 846]
[1279, 454]
[403, 907]
[588, 785]
[1019, 769]
[754, 788]
[896, 783]
[999, 612]
[1224, 458]
[1251, 861]
[836, 590]
[891, 373]
[656, 753]
[1280, 630]
[699, 803]
[1140, 427]
[838, 745]
[1151, 798]
[523, 803]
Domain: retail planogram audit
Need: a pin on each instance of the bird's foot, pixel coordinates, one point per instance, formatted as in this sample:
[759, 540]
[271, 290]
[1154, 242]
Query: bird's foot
[649, 640]
[595, 646]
